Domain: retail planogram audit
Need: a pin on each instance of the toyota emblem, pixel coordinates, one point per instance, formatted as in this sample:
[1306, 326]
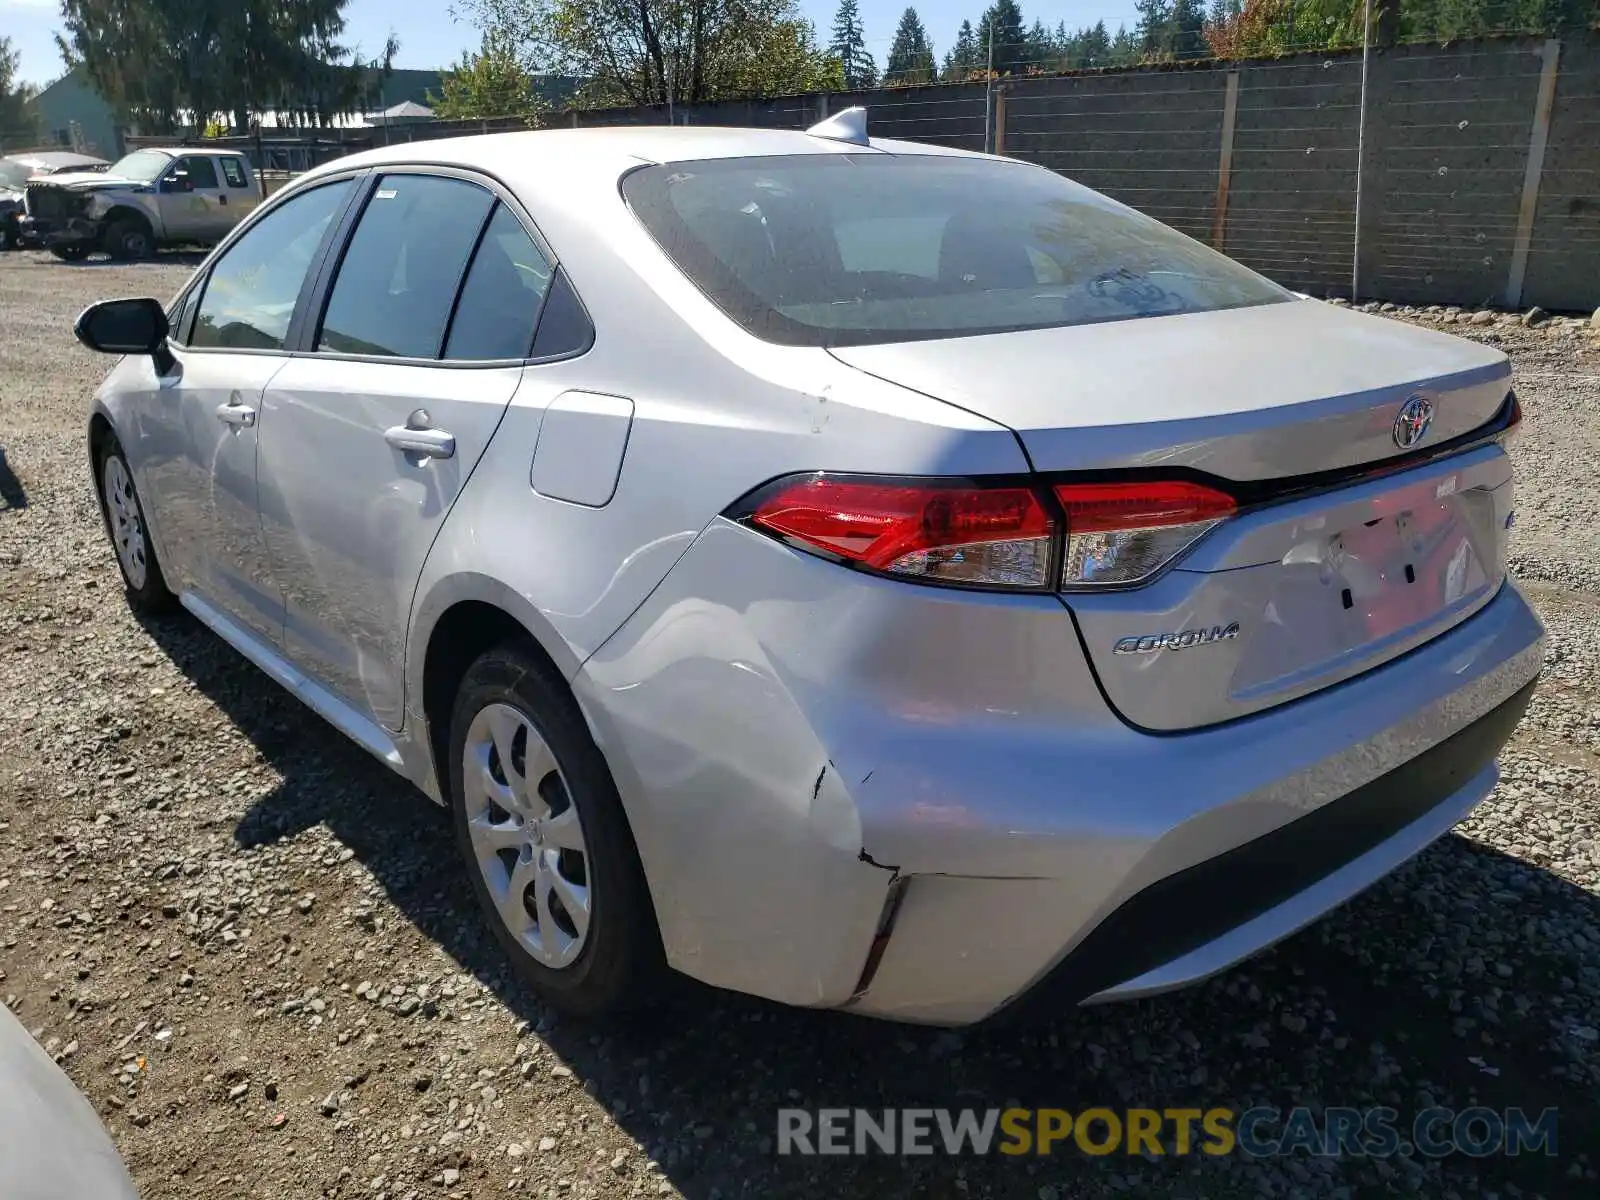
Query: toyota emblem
[1412, 421]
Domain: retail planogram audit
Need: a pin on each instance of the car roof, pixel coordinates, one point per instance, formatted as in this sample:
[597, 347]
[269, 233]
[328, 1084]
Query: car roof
[567, 179]
[179, 151]
[608, 151]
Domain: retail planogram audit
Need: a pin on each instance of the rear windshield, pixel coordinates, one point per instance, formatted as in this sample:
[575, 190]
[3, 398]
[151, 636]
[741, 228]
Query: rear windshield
[850, 249]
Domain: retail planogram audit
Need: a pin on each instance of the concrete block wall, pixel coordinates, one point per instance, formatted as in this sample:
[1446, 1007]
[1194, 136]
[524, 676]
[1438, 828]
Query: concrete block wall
[1447, 150]
[1147, 138]
[1290, 210]
[1564, 253]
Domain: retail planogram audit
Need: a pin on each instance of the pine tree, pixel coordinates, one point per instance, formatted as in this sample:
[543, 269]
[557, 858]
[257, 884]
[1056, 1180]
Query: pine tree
[1095, 46]
[1188, 39]
[1002, 22]
[963, 56]
[1154, 27]
[911, 55]
[167, 62]
[1041, 50]
[849, 46]
[1124, 47]
[18, 119]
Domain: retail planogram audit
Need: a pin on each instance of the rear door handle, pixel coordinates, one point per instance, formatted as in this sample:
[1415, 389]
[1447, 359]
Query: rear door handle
[418, 437]
[236, 414]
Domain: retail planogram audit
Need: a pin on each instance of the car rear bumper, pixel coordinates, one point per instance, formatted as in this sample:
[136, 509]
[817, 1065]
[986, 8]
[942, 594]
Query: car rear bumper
[1198, 921]
[915, 803]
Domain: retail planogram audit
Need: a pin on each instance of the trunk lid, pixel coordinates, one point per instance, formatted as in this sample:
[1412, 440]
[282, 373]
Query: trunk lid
[1248, 393]
[1287, 597]
[1318, 591]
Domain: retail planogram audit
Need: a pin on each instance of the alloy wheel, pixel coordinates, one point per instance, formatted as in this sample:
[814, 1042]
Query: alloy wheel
[526, 835]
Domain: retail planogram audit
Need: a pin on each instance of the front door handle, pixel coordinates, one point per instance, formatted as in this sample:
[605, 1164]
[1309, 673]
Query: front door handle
[237, 415]
[417, 436]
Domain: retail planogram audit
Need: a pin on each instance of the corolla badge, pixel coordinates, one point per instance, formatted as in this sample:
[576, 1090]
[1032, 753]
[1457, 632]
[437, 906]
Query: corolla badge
[1182, 640]
[1412, 421]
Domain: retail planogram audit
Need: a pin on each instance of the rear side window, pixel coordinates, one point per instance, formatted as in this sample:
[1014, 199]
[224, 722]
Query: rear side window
[500, 300]
[202, 173]
[398, 280]
[564, 325]
[233, 172]
[849, 249]
[251, 292]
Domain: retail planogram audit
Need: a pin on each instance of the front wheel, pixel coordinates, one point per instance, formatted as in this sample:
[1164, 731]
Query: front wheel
[129, 240]
[10, 234]
[124, 515]
[540, 824]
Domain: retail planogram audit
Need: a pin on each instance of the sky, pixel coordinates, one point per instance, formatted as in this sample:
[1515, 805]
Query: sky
[429, 38]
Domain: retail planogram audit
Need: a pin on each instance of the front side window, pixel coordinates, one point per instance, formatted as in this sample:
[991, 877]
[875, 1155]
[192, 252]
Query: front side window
[398, 279]
[251, 293]
[177, 314]
[850, 249]
[501, 297]
[201, 172]
[234, 173]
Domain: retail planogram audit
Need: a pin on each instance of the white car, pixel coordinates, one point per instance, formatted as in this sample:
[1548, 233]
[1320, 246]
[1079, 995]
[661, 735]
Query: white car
[52, 1146]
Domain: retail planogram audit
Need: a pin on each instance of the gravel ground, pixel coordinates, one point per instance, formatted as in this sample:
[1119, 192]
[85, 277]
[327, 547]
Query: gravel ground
[255, 952]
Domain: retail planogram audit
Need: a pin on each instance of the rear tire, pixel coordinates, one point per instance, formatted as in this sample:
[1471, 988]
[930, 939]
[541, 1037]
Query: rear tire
[129, 240]
[539, 822]
[142, 579]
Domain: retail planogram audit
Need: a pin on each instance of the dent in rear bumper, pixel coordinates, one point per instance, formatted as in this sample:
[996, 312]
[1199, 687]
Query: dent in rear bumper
[787, 747]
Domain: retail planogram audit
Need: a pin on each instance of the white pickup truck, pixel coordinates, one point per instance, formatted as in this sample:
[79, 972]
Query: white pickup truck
[144, 200]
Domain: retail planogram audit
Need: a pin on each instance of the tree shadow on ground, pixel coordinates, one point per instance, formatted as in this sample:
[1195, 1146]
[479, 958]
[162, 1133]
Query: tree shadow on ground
[697, 1081]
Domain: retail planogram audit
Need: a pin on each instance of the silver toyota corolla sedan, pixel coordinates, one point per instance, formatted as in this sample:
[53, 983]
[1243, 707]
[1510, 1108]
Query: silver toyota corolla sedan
[858, 573]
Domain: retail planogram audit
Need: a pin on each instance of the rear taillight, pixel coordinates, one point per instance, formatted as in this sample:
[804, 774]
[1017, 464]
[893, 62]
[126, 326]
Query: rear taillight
[944, 532]
[1120, 534]
[1006, 535]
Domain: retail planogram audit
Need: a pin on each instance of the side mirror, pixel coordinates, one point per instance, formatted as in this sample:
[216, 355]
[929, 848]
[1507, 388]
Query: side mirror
[177, 183]
[135, 326]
